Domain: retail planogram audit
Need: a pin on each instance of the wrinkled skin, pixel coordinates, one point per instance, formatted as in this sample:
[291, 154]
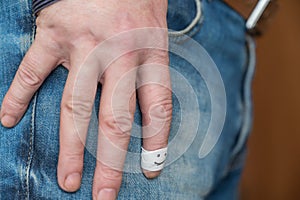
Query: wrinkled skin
[67, 32]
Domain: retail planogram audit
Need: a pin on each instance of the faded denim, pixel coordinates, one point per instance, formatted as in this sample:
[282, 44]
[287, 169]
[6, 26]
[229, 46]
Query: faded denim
[29, 151]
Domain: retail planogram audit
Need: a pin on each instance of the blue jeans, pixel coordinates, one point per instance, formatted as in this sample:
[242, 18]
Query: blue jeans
[29, 151]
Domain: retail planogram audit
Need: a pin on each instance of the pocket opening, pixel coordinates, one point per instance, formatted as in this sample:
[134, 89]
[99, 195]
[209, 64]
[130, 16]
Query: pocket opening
[191, 25]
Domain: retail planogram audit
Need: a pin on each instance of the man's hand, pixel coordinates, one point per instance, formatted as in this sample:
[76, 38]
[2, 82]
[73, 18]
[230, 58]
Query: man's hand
[67, 32]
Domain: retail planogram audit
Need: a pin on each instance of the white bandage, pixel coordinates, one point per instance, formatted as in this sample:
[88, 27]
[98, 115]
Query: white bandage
[154, 160]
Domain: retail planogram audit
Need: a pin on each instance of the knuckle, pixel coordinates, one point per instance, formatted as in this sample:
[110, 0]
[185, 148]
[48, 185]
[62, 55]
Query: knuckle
[127, 40]
[78, 108]
[74, 156]
[118, 122]
[158, 56]
[111, 174]
[71, 160]
[67, 106]
[28, 76]
[161, 111]
[125, 23]
[159, 104]
[12, 102]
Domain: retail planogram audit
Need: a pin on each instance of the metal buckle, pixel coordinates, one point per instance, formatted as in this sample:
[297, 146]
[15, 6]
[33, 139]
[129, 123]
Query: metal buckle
[260, 16]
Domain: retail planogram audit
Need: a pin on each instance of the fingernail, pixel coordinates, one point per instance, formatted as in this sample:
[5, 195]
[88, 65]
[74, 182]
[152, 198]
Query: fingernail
[107, 194]
[8, 121]
[151, 175]
[72, 182]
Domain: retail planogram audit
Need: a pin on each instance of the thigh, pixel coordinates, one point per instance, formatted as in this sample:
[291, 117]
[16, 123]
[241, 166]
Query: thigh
[30, 150]
[209, 166]
[16, 35]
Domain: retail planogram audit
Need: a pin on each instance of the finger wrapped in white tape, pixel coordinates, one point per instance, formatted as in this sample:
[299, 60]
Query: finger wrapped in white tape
[154, 160]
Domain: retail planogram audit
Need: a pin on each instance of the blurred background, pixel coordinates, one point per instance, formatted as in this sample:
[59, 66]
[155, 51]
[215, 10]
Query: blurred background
[273, 165]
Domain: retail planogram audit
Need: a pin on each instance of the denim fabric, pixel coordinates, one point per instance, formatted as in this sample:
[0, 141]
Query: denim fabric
[29, 151]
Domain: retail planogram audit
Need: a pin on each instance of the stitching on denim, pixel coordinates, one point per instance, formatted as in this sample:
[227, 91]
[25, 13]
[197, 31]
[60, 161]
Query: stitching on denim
[32, 129]
[31, 147]
[192, 24]
[246, 126]
[238, 154]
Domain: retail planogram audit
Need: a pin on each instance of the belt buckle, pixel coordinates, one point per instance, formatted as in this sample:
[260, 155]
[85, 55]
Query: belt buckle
[260, 16]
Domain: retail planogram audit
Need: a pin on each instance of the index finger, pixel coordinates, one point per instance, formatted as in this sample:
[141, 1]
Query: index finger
[33, 70]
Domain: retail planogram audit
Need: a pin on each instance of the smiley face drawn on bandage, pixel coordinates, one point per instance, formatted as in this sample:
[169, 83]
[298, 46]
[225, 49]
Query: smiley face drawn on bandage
[153, 160]
[161, 158]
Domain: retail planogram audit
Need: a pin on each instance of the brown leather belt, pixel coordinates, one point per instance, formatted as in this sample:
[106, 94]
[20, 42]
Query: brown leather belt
[257, 13]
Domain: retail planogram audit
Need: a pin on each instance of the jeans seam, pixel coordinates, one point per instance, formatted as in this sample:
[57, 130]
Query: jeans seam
[31, 147]
[247, 120]
[32, 127]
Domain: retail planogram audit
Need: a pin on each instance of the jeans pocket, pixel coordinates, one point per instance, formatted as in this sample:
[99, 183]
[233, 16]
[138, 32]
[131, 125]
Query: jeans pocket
[247, 98]
[184, 18]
